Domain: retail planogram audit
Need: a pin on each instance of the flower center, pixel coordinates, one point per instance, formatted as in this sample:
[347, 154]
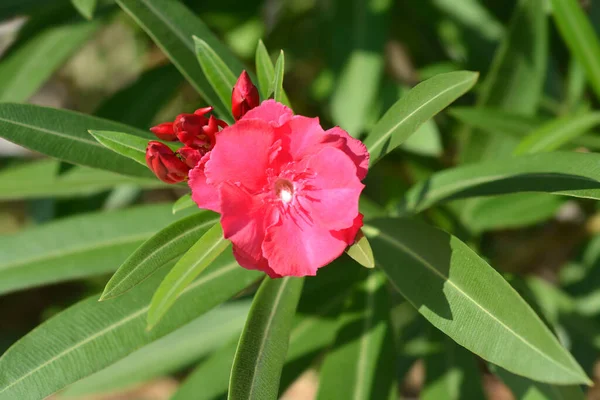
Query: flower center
[284, 189]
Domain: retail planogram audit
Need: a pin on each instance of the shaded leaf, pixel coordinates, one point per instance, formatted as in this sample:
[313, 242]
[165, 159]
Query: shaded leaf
[579, 35]
[526, 389]
[85, 7]
[569, 174]
[361, 363]
[556, 133]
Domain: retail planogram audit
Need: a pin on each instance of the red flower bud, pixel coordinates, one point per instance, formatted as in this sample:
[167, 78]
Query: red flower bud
[203, 111]
[164, 131]
[191, 157]
[164, 163]
[244, 96]
[197, 131]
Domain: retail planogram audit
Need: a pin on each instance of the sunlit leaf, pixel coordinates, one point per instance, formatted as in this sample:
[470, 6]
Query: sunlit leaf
[460, 294]
[193, 262]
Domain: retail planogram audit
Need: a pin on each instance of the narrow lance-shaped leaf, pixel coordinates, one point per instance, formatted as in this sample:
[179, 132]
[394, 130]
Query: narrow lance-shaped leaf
[526, 389]
[265, 70]
[183, 203]
[30, 63]
[85, 7]
[515, 82]
[171, 25]
[420, 104]
[164, 247]
[41, 179]
[263, 346]
[278, 93]
[578, 33]
[64, 135]
[92, 335]
[127, 145]
[361, 251]
[556, 133]
[194, 261]
[266, 73]
[168, 354]
[216, 71]
[563, 173]
[360, 363]
[460, 294]
[314, 330]
[76, 247]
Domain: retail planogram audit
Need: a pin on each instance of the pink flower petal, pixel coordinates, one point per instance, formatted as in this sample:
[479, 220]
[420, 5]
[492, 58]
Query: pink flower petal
[243, 220]
[295, 247]
[354, 148]
[203, 194]
[241, 155]
[332, 200]
[270, 111]
[247, 262]
[348, 235]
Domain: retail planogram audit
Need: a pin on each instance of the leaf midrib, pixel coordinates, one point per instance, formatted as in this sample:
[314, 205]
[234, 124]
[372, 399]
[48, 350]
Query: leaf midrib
[416, 110]
[159, 249]
[115, 325]
[55, 133]
[78, 250]
[444, 278]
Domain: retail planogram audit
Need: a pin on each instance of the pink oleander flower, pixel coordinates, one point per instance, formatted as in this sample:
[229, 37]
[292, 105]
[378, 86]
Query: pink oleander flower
[287, 190]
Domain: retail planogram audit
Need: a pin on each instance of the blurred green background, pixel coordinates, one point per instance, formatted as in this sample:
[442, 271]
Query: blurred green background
[347, 61]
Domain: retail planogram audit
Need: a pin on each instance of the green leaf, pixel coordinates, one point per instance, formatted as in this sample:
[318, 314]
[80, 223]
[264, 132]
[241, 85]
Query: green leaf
[171, 26]
[515, 82]
[40, 179]
[85, 7]
[76, 247]
[579, 35]
[64, 135]
[361, 251]
[426, 140]
[151, 91]
[264, 70]
[277, 85]
[510, 211]
[266, 73]
[216, 71]
[129, 146]
[314, 330]
[526, 389]
[359, 34]
[452, 373]
[168, 354]
[460, 294]
[420, 104]
[194, 261]
[166, 246]
[503, 123]
[184, 202]
[26, 67]
[263, 345]
[556, 133]
[563, 173]
[360, 364]
[92, 335]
